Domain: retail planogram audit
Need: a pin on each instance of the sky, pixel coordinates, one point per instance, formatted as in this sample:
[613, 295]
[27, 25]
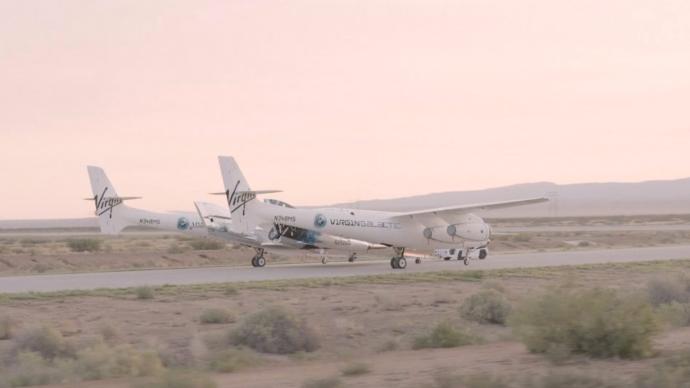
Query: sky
[335, 101]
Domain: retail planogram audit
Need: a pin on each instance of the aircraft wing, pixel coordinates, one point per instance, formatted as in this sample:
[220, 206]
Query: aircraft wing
[449, 213]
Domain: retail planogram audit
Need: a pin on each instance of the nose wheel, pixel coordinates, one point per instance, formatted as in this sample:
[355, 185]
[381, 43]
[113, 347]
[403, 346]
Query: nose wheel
[352, 258]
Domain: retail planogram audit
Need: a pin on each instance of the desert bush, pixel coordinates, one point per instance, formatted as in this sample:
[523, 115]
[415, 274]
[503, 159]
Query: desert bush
[215, 316]
[44, 340]
[388, 346]
[144, 292]
[487, 306]
[599, 323]
[180, 379]
[33, 369]
[230, 290]
[6, 328]
[444, 335]
[206, 245]
[329, 382]
[231, 360]
[676, 314]
[355, 369]
[102, 361]
[664, 290]
[672, 373]
[274, 330]
[84, 245]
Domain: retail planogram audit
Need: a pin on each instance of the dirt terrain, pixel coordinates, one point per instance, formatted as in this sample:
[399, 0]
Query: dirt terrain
[373, 323]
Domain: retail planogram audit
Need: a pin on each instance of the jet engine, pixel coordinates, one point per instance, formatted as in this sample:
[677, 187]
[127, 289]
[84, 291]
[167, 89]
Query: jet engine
[476, 231]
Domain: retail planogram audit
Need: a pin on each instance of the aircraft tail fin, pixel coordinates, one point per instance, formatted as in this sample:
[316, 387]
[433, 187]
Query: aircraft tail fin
[240, 197]
[110, 209]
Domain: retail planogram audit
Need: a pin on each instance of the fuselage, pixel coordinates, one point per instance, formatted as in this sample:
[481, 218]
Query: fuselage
[381, 227]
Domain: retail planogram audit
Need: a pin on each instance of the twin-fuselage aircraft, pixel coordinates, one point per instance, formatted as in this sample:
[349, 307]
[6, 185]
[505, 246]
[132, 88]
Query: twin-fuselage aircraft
[420, 231]
[275, 225]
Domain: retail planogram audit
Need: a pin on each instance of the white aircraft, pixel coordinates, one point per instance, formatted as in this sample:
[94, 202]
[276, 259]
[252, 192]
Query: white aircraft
[113, 215]
[214, 221]
[453, 227]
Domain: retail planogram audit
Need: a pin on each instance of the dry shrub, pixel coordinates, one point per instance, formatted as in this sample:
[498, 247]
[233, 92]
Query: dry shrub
[444, 335]
[216, 316]
[44, 340]
[144, 293]
[355, 369]
[665, 290]
[6, 328]
[231, 360]
[676, 314]
[672, 373]
[84, 245]
[598, 323]
[276, 331]
[102, 361]
[487, 306]
[33, 369]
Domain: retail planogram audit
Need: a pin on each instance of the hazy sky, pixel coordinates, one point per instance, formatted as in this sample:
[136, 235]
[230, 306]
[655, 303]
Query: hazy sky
[336, 100]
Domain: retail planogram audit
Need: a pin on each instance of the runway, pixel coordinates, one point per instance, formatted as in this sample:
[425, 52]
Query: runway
[124, 279]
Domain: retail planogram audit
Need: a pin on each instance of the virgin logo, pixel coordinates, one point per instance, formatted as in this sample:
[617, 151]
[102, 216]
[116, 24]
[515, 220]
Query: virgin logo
[106, 204]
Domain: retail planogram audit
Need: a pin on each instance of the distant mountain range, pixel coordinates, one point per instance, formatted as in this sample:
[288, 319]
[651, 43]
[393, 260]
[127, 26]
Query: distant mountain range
[584, 199]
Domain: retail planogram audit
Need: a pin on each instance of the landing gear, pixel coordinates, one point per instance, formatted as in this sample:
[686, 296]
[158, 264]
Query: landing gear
[399, 261]
[324, 260]
[259, 261]
[418, 261]
[352, 258]
[483, 253]
[464, 256]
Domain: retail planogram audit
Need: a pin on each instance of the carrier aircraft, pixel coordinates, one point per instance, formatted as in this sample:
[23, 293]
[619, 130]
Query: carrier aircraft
[454, 228]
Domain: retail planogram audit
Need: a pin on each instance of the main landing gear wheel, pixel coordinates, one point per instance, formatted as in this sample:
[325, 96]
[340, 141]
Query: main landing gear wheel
[399, 263]
[482, 254]
[259, 261]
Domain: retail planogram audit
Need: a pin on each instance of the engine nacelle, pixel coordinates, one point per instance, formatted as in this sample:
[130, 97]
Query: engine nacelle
[476, 231]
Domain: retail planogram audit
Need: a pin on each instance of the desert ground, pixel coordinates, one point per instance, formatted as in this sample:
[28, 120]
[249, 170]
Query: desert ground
[370, 321]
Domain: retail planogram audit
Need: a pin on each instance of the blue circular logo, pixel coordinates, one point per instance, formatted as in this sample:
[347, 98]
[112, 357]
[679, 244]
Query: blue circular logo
[182, 223]
[320, 221]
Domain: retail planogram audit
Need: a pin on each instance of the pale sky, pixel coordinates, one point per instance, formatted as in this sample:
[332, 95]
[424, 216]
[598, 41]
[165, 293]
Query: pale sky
[336, 100]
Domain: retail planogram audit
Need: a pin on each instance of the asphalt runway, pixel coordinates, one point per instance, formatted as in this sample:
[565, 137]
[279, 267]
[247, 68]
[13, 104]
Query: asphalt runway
[123, 279]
